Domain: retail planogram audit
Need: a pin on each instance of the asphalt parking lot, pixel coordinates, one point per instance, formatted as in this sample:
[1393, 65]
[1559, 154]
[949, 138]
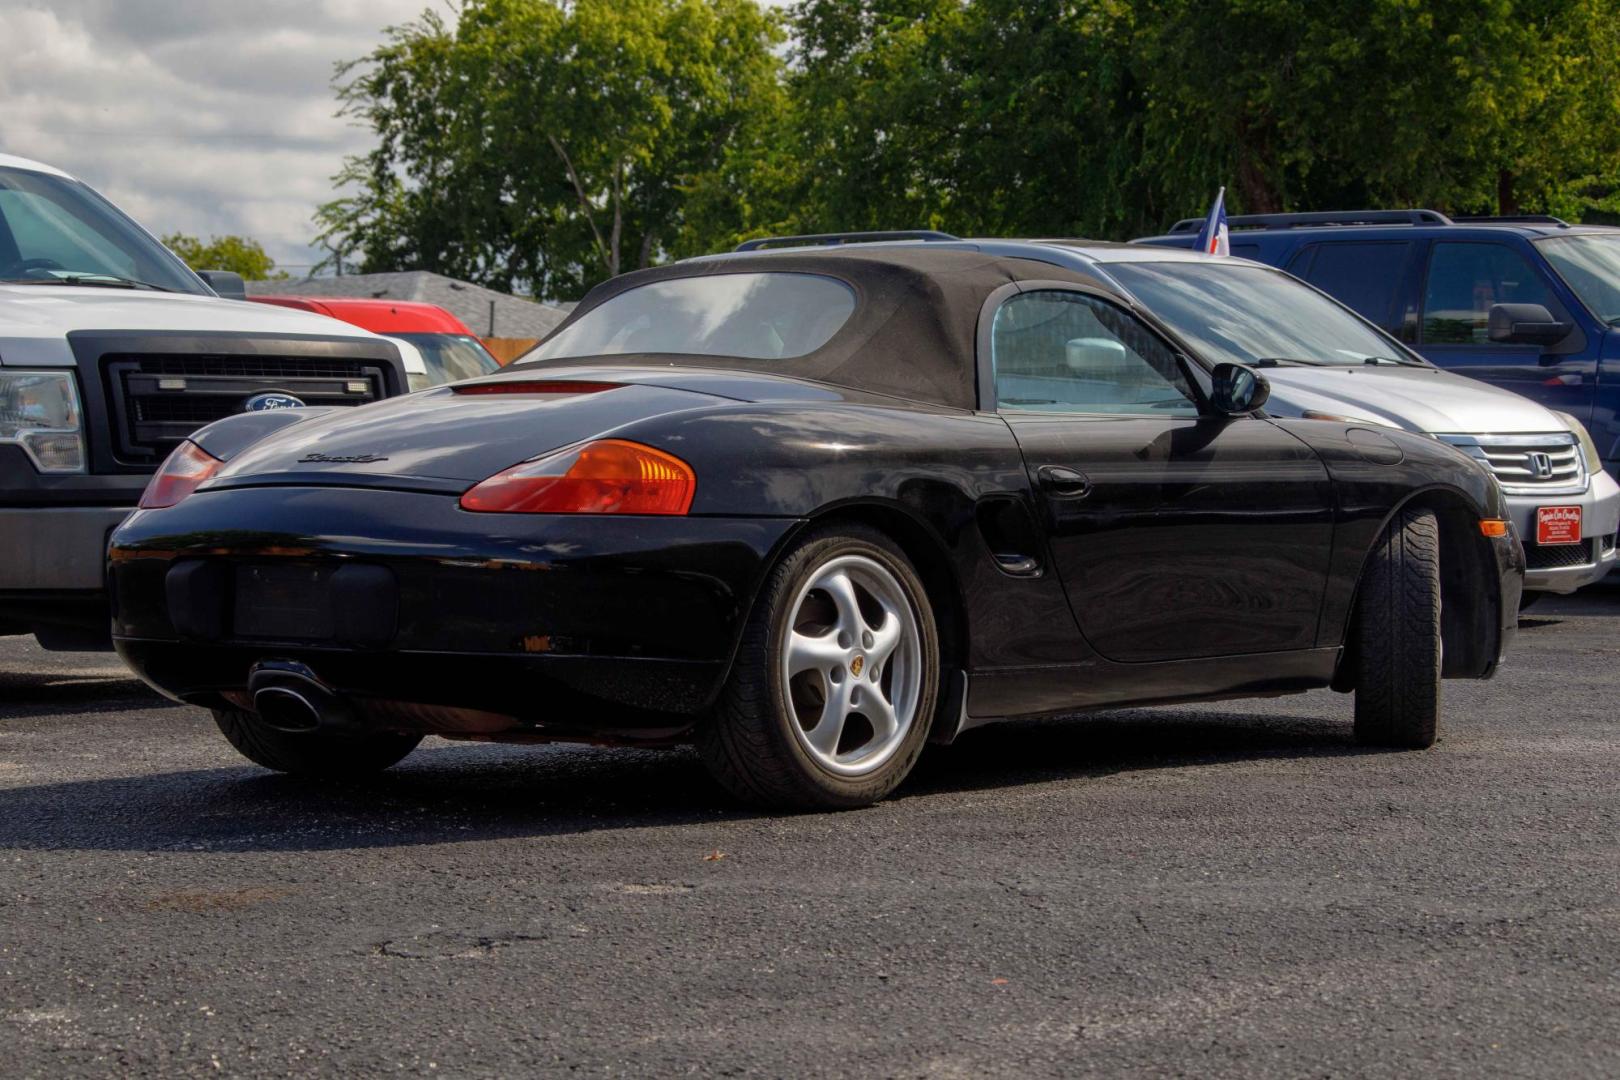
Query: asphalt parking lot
[1233, 889]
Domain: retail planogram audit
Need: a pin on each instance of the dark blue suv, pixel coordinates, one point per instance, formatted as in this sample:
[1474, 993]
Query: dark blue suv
[1530, 304]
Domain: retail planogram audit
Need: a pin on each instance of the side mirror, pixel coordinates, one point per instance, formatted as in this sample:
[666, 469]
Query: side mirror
[225, 283]
[1238, 389]
[1525, 324]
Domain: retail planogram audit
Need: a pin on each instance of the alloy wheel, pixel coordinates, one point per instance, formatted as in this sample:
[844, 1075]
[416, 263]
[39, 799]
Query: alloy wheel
[851, 663]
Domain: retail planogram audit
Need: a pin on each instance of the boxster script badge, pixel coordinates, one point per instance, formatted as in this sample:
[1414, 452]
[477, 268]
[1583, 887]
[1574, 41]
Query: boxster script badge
[341, 459]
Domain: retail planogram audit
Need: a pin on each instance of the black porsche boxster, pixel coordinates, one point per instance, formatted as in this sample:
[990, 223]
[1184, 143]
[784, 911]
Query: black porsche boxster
[811, 507]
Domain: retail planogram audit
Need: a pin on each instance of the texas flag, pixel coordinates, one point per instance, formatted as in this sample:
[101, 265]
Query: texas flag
[1212, 238]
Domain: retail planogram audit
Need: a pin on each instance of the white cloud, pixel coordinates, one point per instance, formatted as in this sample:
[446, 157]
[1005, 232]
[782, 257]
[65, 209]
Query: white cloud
[202, 116]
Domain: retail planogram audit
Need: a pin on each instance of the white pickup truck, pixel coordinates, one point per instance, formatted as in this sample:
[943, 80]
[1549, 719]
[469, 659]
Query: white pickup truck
[111, 352]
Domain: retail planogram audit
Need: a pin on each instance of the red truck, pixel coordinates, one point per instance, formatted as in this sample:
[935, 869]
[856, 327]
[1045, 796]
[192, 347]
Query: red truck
[450, 351]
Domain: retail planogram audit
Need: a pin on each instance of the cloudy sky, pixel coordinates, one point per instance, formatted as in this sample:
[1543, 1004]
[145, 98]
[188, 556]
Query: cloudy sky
[202, 116]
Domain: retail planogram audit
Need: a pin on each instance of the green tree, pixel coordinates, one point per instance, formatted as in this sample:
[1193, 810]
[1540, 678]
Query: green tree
[1000, 117]
[545, 145]
[239, 254]
[1469, 105]
[1109, 118]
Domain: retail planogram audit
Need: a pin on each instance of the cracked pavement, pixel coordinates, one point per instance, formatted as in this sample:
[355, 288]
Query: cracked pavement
[1230, 889]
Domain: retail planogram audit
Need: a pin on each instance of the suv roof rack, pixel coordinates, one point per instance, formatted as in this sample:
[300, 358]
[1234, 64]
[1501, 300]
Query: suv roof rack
[1514, 219]
[842, 238]
[1332, 217]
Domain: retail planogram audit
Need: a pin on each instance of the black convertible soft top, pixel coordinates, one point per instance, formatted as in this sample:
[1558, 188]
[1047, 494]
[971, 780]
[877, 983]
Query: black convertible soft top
[912, 332]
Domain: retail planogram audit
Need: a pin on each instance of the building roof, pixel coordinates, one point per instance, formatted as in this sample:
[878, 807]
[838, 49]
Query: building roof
[488, 313]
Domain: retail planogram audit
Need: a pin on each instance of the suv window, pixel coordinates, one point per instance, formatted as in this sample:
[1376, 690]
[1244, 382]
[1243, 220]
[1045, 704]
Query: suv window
[1465, 279]
[1363, 276]
[1055, 351]
[1590, 265]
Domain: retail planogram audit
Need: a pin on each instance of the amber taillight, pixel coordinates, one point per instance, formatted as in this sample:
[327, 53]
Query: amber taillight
[608, 476]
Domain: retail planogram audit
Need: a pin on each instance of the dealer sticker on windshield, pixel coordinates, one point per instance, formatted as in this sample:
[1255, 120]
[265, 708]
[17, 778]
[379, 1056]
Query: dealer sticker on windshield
[1558, 525]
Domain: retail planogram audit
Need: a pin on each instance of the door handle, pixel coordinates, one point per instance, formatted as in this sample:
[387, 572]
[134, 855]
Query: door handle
[1063, 482]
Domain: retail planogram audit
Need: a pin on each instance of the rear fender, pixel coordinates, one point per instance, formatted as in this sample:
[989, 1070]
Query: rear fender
[921, 475]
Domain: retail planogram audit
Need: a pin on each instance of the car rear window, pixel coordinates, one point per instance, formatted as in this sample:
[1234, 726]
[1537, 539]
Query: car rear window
[753, 316]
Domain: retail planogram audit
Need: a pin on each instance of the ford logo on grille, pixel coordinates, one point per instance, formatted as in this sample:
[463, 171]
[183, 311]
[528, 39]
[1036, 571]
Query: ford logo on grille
[261, 402]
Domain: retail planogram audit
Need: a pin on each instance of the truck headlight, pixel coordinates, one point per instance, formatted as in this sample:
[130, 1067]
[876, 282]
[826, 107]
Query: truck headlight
[39, 411]
[1589, 450]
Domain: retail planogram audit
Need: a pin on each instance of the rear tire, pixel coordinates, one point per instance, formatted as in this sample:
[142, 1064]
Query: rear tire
[1398, 636]
[312, 753]
[836, 680]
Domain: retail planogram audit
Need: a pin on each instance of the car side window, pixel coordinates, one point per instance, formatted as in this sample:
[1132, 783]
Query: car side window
[1465, 279]
[1363, 276]
[1056, 351]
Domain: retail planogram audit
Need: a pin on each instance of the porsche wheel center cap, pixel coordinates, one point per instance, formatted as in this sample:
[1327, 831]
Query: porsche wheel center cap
[856, 664]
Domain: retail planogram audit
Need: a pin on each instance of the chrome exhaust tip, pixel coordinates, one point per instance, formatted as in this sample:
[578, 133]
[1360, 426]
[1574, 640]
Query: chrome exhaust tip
[288, 697]
[285, 709]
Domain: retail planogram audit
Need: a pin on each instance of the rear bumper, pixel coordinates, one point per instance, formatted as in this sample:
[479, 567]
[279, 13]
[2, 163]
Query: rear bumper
[405, 597]
[1566, 567]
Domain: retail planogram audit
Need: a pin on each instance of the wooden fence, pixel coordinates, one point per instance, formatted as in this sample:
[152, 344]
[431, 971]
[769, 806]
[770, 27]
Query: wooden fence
[507, 349]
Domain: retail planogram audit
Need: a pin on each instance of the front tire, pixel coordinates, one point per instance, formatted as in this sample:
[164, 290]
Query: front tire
[836, 680]
[1398, 642]
[312, 753]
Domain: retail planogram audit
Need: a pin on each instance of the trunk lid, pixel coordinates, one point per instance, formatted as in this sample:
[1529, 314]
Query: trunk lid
[442, 440]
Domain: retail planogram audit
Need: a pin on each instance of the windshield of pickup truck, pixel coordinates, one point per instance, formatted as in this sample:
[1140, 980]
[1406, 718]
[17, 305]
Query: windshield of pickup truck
[1590, 265]
[1241, 314]
[451, 357]
[56, 231]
